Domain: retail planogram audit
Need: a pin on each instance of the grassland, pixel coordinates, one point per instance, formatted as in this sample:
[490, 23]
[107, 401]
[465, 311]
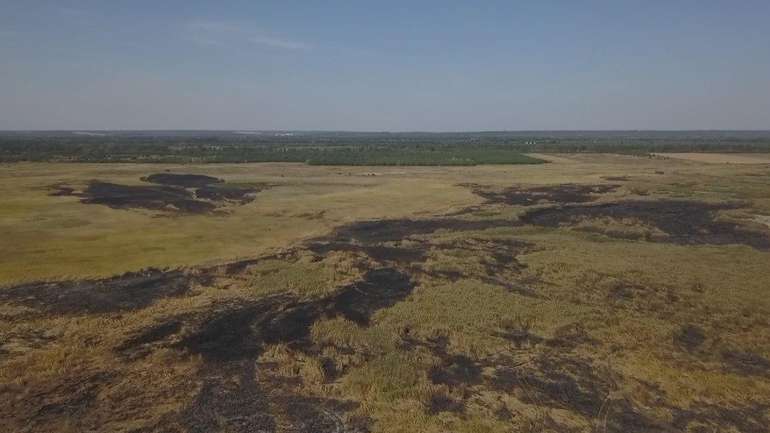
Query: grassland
[595, 293]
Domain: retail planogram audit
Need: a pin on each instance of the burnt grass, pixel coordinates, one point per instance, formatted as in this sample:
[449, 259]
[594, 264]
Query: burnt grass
[239, 394]
[160, 198]
[130, 291]
[456, 370]
[232, 336]
[236, 332]
[575, 384]
[236, 397]
[683, 222]
[528, 196]
[371, 232]
[175, 193]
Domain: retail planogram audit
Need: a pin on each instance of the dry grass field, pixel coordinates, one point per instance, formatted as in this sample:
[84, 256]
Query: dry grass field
[595, 293]
[722, 158]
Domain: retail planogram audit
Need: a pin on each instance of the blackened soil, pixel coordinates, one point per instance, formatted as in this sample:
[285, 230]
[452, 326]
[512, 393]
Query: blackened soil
[683, 222]
[566, 193]
[130, 291]
[178, 193]
[183, 180]
[234, 396]
[381, 288]
[37, 406]
[706, 417]
[576, 385]
[237, 398]
[443, 403]
[230, 401]
[233, 332]
[241, 331]
[166, 198]
[456, 370]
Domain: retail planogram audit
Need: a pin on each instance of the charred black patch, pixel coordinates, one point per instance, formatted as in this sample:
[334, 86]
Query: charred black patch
[683, 222]
[502, 413]
[164, 198]
[234, 332]
[689, 337]
[456, 370]
[566, 193]
[237, 398]
[240, 331]
[311, 415]
[442, 403]
[381, 288]
[563, 383]
[236, 403]
[132, 346]
[38, 406]
[706, 417]
[518, 332]
[171, 193]
[575, 385]
[130, 291]
[745, 363]
[183, 180]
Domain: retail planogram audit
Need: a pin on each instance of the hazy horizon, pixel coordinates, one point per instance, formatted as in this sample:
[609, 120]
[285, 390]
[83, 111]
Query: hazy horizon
[391, 67]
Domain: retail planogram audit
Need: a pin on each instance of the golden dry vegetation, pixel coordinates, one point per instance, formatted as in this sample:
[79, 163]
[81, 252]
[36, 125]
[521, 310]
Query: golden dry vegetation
[596, 293]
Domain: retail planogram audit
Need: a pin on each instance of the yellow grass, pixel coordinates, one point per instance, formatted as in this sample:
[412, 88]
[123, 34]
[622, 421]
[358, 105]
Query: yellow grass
[721, 289]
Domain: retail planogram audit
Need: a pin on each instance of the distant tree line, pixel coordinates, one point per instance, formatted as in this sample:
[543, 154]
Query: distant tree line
[330, 148]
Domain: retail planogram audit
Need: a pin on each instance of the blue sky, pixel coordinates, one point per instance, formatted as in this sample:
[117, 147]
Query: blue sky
[385, 65]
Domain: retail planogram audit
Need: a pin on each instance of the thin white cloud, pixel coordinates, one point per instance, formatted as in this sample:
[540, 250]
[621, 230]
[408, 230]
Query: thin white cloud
[224, 34]
[279, 43]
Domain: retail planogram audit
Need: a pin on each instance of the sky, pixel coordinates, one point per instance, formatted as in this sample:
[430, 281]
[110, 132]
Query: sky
[385, 65]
